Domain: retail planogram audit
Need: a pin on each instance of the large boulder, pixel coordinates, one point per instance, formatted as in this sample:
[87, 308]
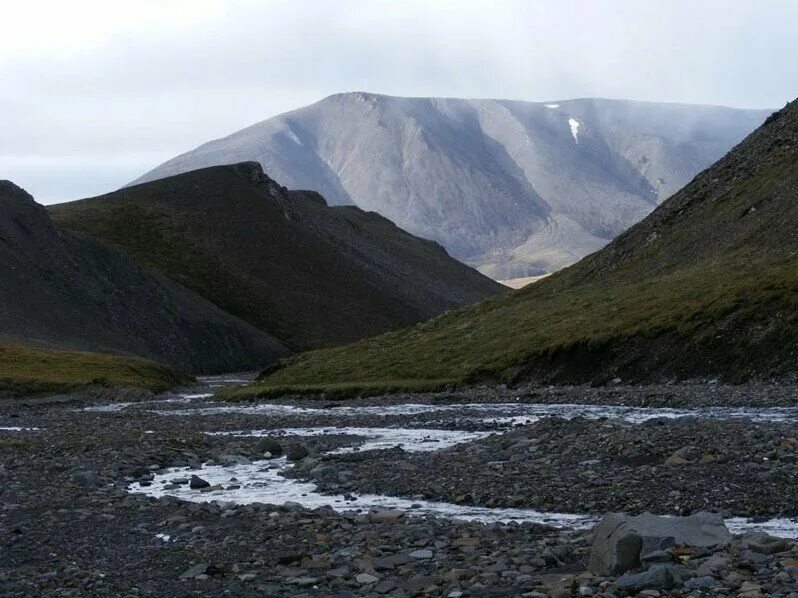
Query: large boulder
[622, 542]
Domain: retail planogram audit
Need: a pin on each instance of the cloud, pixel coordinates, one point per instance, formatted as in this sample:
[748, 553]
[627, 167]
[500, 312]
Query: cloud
[98, 92]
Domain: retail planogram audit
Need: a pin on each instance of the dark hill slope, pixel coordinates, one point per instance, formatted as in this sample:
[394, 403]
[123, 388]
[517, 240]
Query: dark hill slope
[309, 274]
[65, 289]
[707, 285]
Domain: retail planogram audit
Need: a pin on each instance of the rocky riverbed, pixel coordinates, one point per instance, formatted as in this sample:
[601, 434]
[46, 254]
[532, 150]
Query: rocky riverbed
[184, 496]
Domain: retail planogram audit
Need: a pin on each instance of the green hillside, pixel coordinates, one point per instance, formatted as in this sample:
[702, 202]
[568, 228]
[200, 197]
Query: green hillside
[26, 371]
[308, 274]
[707, 285]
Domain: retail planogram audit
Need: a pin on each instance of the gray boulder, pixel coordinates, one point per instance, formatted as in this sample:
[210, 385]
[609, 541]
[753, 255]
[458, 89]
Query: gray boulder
[296, 452]
[659, 577]
[621, 542]
[269, 445]
[763, 543]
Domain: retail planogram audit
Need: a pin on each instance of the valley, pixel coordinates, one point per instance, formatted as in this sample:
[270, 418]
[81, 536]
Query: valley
[399, 299]
[484, 491]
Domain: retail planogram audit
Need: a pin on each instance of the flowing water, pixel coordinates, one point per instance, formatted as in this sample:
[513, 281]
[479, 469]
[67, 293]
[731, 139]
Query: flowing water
[264, 482]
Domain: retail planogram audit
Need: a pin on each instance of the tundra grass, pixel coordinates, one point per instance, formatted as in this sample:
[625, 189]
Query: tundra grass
[496, 339]
[27, 371]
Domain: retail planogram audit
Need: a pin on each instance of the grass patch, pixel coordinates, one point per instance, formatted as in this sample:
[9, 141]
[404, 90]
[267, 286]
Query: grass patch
[498, 339]
[26, 371]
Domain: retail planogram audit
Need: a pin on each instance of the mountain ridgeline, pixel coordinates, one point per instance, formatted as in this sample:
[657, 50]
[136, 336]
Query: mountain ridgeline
[63, 289]
[706, 286]
[284, 261]
[512, 188]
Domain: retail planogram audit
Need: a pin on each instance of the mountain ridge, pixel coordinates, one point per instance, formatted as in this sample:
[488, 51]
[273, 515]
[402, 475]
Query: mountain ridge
[66, 290]
[310, 274]
[513, 188]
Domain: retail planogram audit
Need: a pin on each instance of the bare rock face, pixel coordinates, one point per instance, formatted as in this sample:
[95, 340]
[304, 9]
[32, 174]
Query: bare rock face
[622, 542]
[513, 188]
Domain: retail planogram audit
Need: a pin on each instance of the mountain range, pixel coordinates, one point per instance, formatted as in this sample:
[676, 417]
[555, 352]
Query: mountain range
[512, 188]
[705, 286]
[284, 261]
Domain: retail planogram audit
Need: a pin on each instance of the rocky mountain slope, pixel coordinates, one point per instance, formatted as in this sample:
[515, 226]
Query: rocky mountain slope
[707, 285]
[309, 274]
[67, 290]
[513, 188]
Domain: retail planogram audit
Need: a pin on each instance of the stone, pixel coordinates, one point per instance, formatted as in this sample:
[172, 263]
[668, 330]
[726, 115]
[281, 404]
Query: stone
[228, 460]
[620, 539]
[385, 586]
[197, 483]
[269, 445]
[661, 577]
[324, 473]
[421, 554]
[296, 452]
[90, 479]
[366, 578]
[196, 570]
[700, 583]
[386, 515]
[764, 543]
[684, 455]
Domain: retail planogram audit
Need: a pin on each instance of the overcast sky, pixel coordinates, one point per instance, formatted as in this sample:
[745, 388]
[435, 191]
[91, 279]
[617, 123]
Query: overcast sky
[94, 93]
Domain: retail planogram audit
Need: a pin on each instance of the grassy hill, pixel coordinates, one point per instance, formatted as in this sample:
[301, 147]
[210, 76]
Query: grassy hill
[68, 290]
[707, 285]
[26, 371]
[311, 275]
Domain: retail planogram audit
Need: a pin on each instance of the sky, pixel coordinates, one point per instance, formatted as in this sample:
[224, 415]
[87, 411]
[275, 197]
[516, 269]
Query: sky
[95, 93]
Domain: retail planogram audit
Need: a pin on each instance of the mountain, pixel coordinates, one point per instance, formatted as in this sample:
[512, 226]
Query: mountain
[309, 274]
[512, 188]
[705, 286]
[62, 289]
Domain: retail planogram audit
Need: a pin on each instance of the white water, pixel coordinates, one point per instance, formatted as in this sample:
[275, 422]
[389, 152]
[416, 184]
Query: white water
[17, 429]
[410, 439]
[263, 482]
[509, 413]
[116, 407]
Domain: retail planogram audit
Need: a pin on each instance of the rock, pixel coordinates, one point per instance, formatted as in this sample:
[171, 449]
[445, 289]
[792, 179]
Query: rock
[324, 473]
[386, 515]
[749, 590]
[269, 445]
[295, 452]
[659, 577]
[303, 581]
[366, 578]
[197, 483]
[385, 586]
[228, 460]
[90, 479]
[700, 583]
[196, 570]
[421, 554]
[684, 455]
[619, 540]
[713, 565]
[764, 543]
